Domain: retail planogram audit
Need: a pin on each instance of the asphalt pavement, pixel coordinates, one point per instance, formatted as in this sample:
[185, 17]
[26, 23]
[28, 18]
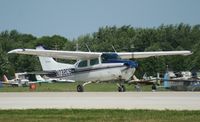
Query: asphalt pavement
[101, 100]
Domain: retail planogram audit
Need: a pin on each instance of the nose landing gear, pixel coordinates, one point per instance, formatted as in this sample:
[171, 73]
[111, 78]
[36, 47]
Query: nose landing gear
[121, 88]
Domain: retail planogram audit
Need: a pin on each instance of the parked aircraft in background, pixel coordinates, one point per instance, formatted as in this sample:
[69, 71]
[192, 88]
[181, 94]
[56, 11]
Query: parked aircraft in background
[184, 81]
[22, 78]
[146, 80]
[180, 81]
[93, 66]
[17, 81]
[36, 77]
[9, 82]
[57, 80]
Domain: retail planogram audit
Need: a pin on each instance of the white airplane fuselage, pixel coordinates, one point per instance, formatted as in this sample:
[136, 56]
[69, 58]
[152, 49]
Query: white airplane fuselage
[107, 67]
[99, 72]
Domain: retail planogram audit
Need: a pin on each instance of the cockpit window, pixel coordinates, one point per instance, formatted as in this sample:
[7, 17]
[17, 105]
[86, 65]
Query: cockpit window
[83, 63]
[109, 56]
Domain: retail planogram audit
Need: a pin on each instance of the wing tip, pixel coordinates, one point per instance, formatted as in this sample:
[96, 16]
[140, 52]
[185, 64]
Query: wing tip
[188, 53]
[16, 51]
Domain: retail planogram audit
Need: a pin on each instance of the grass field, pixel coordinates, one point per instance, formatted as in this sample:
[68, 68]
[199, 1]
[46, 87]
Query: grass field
[71, 87]
[97, 115]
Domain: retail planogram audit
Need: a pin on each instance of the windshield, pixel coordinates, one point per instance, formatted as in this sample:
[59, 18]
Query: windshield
[109, 56]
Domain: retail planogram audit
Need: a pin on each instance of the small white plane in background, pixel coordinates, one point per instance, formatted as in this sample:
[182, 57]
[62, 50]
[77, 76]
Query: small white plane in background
[9, 82]
[54, 79]
[15, 82]
[93, 67]
[145, 80]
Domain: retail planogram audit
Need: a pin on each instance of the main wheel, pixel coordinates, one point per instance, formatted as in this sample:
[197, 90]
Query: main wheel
[120, 89]
[123, 88]
[80, 88]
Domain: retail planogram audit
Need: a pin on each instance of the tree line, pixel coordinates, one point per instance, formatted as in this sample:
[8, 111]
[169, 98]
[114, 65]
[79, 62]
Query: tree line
[125, 38]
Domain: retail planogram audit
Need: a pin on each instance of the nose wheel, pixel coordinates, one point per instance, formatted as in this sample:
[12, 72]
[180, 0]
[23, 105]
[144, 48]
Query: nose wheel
[121, 88]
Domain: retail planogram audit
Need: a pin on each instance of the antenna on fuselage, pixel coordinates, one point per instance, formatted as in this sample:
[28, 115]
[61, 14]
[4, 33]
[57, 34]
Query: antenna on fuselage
[113, 48]
[87, 47]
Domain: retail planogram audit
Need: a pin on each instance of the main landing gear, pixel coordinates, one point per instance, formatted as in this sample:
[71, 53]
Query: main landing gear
[80, 88]
[120, 84]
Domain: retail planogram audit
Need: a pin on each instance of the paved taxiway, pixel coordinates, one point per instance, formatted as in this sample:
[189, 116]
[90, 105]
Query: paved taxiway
[107, 100]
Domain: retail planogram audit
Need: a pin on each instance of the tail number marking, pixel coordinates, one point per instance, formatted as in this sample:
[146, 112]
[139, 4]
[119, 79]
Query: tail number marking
[64, 72]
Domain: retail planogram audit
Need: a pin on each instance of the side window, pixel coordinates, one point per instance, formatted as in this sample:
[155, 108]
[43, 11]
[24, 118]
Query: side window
[94, 61]
[83, 64]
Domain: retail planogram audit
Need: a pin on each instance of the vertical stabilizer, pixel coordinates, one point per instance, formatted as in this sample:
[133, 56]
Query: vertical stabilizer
[49, 64]
[5, 79]
[39, 78]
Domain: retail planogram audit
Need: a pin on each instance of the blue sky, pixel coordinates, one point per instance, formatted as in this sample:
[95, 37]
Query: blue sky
[73, 18]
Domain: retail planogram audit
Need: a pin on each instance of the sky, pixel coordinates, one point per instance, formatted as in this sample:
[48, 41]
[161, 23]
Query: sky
[73, 18]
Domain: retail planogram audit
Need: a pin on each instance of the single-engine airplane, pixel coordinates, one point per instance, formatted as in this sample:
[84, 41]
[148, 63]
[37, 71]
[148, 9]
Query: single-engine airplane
[16, 81]
[93, 67]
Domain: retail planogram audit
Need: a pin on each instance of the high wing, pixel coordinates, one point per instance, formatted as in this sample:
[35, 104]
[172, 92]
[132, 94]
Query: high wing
[74, 55]
[133, 55]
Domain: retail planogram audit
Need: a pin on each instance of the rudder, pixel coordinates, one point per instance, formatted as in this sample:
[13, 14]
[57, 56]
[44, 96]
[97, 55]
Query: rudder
[49, 64]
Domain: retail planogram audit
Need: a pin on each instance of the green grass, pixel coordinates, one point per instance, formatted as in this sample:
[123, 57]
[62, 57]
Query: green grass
[97, 115]
[70, 87]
